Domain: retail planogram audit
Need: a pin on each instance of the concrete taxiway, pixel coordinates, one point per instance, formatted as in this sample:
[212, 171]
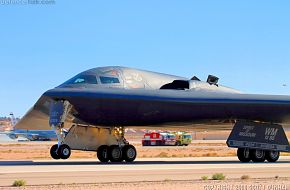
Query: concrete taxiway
[38, 172]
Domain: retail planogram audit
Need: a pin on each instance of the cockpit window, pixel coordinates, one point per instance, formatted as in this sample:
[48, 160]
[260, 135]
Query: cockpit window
[109, 80]
[83, 79]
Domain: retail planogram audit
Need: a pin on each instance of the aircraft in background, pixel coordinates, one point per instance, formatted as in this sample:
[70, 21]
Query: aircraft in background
[32, 135]
[96, 106]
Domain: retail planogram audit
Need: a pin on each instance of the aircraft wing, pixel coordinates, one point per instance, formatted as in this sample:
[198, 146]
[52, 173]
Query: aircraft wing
[37, 117]
[121, 107]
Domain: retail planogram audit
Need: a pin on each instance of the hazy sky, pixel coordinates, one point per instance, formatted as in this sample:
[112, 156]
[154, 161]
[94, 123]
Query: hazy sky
[245, 43]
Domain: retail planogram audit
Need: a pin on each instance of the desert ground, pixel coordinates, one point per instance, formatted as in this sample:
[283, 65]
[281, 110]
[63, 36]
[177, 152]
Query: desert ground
[40, 150]
[199, 149]
[259, 184]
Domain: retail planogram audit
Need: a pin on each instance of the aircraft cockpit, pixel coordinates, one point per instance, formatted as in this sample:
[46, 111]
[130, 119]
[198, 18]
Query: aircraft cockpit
[82, 79]
[87, 80]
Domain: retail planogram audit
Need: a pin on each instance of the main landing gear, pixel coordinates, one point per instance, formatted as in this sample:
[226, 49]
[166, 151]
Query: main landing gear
[115, 153]
[115, 148]
[109, 143]
[246, 155]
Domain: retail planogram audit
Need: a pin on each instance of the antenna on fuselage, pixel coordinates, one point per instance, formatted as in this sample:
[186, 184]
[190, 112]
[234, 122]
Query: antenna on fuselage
[13, 120]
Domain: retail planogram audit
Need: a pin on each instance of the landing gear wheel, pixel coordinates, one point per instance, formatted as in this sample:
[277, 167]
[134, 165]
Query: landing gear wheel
[53, 152]
[129, 153]
[257, 155]
[103, 153]
[115, 153]
[244, 154]
[64, 151]
[272, 156]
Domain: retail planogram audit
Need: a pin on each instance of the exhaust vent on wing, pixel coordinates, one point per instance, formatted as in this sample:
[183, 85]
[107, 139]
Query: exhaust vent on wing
[176, 85]
[212, 80]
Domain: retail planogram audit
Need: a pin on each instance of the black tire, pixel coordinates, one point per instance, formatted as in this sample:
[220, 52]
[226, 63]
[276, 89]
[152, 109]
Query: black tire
[53, 152]
[178, 143]
[115, 153]
[129, 153]
[272, 156]
[64, 151]
[103, 153]
[257, 155]
[244, 155]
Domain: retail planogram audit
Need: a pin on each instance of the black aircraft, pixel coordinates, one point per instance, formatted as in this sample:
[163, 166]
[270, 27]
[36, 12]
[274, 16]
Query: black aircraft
[96, 105]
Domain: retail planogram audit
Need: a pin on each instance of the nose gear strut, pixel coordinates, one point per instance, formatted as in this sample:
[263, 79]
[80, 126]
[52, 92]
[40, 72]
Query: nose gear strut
[58, 113]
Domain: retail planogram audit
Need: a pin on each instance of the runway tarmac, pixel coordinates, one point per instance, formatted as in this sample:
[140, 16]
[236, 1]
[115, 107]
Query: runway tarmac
[39, 172]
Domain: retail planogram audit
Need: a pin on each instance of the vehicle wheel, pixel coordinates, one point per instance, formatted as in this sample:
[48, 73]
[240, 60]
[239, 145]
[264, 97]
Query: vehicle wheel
[257, 155]
[53, 152]
[272, 156]
[103, 153]
[129, 153]
[178, 143]
[64, 151]
[115, 153]
[244, 154]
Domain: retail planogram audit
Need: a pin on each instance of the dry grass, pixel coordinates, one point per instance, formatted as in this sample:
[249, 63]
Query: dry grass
[19, 183]
[218, 176]
[245, 177]
[163, 155]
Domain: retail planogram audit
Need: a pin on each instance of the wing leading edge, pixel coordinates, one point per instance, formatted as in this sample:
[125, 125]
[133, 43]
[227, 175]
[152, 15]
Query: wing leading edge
[143, 107]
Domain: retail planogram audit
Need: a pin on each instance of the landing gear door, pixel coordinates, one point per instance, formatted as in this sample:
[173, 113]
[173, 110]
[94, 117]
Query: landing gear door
[56, 112]
[258, 136]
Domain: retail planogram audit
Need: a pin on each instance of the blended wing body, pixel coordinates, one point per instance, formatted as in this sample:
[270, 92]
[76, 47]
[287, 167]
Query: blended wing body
[96, 106]
[118, 96]
[121, 107]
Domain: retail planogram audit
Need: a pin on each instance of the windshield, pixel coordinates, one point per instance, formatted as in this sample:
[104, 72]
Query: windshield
[171, 136]
[83, 79]
[187, 136]
[109, 80]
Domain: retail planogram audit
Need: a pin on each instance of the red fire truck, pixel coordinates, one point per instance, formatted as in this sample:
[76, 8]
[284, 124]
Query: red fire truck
[158, 139]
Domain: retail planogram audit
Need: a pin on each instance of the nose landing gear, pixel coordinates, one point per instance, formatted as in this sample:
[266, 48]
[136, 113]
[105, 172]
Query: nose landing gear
[58, 113]
[61, 152]
[53, 152]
